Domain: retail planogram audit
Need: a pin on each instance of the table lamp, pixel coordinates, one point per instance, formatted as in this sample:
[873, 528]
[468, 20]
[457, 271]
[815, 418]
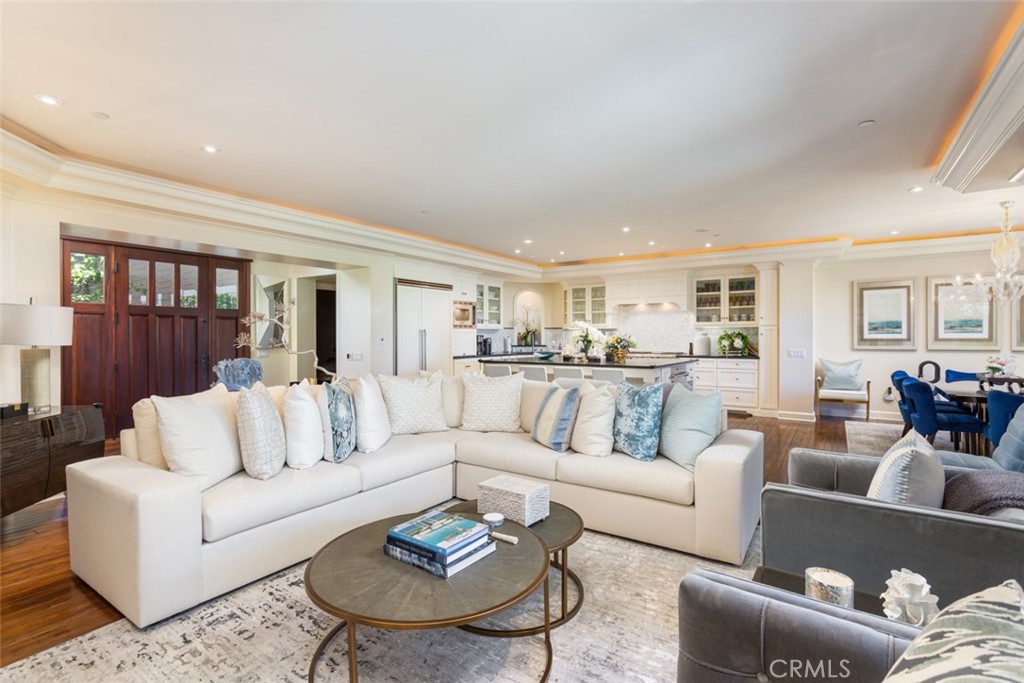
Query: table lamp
[35, 327]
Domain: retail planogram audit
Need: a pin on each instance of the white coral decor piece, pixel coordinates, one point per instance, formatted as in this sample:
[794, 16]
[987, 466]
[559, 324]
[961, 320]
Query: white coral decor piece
[909, 599]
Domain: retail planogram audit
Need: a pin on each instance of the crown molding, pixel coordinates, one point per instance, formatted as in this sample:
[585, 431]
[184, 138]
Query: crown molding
[995, 116]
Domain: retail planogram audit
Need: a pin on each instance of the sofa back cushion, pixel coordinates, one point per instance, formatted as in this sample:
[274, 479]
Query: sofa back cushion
[414, 404]
[453, 398]
[147, 434]
[492, 403]
[199, 434]
[260, 432]
[1009, 454]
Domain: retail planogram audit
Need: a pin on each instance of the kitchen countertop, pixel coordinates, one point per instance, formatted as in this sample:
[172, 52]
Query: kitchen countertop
[504, 356]
[640, 363]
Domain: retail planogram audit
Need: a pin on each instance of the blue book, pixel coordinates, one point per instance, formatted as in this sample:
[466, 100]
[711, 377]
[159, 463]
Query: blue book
[439, 532]
[435, 568]
[439, 557]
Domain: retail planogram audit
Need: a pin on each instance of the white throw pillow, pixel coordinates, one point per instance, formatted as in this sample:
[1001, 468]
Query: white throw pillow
[453, 397]
[492, 403]
[414, 404]
[592, 433]
[147, 434]
[303, 427]
[373, 429]
[530, 398]
[260, 432]
[199, 435]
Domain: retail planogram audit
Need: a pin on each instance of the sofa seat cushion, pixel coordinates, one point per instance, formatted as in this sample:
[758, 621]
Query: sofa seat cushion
[660, 478]
[515, 453]
[452, 435]
[240, 502]
[966, 460]
[403, 456]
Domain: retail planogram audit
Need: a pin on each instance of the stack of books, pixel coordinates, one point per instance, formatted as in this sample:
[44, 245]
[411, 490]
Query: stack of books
[440, 542]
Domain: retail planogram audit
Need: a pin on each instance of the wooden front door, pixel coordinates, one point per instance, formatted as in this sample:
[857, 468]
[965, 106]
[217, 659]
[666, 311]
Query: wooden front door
[147, 321]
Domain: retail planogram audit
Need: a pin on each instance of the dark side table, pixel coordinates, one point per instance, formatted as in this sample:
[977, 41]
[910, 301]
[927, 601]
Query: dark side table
[794, 583]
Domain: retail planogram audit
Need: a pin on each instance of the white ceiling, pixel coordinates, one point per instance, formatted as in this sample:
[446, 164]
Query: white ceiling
[729, 123]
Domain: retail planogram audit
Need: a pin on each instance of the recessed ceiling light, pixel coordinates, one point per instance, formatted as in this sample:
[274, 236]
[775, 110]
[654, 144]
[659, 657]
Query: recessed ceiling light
[49, 100]
[99, 115]
[527, 241]
[866, 123]
[518, 250]
[651, 243]
[625, 228]
[552, 260]
[561, 253]
[707, 244]
[622, 253]
[210, 149]
[894, 232]
[701, 230]
[916, 188]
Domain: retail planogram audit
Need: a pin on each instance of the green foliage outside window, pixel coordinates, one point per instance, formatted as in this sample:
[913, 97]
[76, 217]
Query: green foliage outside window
[87, 272]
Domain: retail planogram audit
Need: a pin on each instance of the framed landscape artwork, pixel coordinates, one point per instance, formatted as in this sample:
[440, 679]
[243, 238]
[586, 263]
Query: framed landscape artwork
[960, 319]
[883, 314]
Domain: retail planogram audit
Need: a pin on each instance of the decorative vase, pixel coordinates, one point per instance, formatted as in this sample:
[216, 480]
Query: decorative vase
[995, 370]
[620, 355]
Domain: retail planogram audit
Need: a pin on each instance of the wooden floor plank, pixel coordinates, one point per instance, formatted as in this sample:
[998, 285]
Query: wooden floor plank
[42, 603]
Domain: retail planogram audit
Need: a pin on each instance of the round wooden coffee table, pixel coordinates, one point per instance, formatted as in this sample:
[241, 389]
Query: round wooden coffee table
[559, 530]
[353, 579]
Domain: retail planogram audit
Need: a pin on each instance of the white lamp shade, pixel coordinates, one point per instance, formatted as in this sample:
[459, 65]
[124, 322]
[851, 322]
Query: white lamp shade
[31, 325]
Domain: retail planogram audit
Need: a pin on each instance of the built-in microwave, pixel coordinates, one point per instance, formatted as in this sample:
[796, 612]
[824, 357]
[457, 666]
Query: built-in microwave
[464, 314]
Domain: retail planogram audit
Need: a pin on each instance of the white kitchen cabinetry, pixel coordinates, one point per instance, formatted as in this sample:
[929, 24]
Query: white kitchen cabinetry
[768, 296]
[729, 298]
[586, 302]
[768, 366]
[463, 342]
[423, 329]
[464, 289]
[488, 305]
[734, 378]
[466, 365]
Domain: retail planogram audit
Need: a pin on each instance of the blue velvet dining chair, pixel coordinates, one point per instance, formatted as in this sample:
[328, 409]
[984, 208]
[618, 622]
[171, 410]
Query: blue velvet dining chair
[903, 404]
[958, 376]
[928, 420]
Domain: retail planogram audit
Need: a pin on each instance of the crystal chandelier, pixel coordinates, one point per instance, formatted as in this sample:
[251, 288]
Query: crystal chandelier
[1006, 284]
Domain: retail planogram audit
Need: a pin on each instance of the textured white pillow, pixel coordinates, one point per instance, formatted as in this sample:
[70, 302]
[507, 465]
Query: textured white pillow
[492, 403]
[303, 427]
[592, 434]
[372, 426]
[453, 397]
[530, 398]
[199, 435]
[414, 404]
[260, 432]
[147, 434]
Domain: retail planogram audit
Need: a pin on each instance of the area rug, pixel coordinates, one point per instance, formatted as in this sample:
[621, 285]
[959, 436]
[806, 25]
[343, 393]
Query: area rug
[267, 631]
[874, 438]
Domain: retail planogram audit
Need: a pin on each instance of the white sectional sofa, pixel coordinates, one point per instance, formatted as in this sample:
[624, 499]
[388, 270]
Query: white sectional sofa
[153, 543]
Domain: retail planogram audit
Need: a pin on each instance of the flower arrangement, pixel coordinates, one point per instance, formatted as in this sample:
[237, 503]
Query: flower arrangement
[619, 345]
[527, 326]
[996, 365]
[733, 343]
[585, 337]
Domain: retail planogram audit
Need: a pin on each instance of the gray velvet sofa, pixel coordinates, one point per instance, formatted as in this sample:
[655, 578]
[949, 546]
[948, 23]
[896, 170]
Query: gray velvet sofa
[736, 630]
[822, 518]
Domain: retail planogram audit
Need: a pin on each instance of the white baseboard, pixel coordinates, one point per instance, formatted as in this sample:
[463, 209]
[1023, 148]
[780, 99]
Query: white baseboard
[796, 417]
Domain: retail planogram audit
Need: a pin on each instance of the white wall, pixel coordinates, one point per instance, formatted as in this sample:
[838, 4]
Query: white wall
[798, 317]
[833, 322]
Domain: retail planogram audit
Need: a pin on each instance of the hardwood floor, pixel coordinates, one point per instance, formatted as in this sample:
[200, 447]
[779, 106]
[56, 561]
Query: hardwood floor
[43, 604]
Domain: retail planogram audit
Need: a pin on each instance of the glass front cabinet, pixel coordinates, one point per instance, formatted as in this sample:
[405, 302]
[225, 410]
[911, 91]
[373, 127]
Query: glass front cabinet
[586, 302]
[731, 299]
[488, 305]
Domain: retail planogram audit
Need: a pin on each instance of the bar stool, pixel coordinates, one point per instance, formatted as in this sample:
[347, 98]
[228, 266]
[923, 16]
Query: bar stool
[497, 370]
[534, 372]
[568, 373]
[613, 375]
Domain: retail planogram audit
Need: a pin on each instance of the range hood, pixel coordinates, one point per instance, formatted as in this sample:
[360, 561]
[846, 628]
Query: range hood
[666, 292]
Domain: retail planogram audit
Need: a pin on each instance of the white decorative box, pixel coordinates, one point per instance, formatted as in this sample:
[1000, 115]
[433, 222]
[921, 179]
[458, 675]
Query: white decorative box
[520, 500]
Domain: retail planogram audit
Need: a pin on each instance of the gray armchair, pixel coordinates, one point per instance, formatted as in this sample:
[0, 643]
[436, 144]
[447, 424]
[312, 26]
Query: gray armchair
[822, 518]
[733, 630]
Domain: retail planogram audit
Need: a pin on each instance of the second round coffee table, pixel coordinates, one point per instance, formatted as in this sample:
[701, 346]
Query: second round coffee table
[559, 530]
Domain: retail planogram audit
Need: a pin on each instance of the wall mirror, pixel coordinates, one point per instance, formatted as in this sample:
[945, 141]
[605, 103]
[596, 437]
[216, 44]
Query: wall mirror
[270, 296]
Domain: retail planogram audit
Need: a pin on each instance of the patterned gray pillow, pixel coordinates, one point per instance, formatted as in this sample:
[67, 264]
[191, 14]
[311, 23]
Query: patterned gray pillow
[338, 414]
[260, 433]
[977, 638]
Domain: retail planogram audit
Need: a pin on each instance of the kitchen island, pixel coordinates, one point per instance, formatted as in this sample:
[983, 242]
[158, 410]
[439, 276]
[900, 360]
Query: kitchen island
[638, 370]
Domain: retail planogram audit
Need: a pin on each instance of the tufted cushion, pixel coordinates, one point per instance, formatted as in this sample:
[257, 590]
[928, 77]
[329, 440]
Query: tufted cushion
[492, 403]
[841, 375]
[689, 424]
[414, 404]
[555, 418]
[910, 473]
[638, 420]
[260, 432]
[977, 638]
[1009, 454]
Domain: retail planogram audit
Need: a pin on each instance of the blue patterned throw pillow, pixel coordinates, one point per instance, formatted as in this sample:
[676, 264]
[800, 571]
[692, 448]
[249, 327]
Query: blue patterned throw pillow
[638, 420]
[555, 418]
[340, 433]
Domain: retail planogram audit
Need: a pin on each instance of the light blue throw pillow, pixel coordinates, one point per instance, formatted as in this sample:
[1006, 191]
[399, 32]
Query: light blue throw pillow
[556, 417]
[342, 414]
[844, 376]
[638, 420]
[689, 424]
